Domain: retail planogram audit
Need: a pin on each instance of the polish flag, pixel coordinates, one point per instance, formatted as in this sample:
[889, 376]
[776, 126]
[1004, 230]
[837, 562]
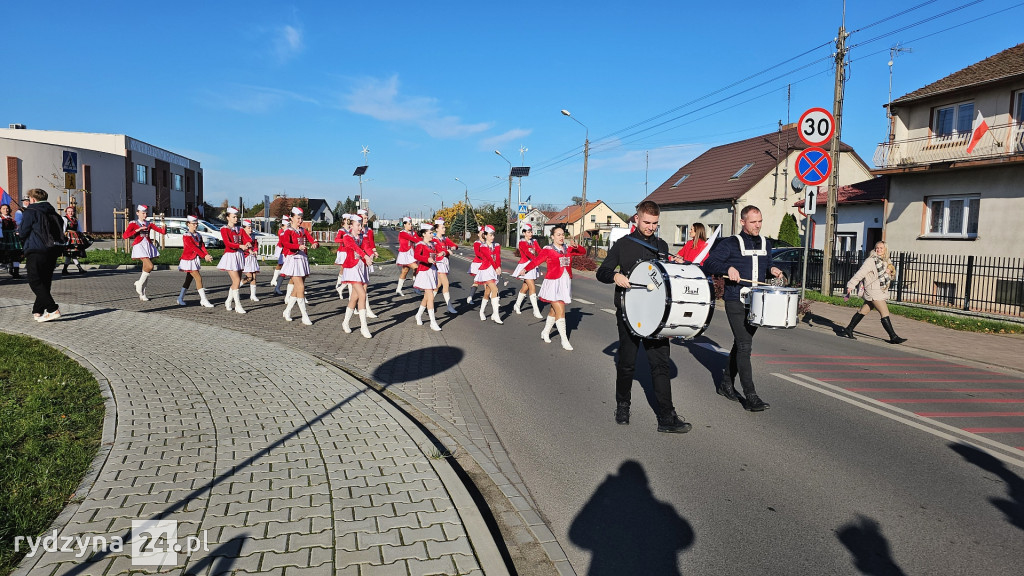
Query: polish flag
[980, 129]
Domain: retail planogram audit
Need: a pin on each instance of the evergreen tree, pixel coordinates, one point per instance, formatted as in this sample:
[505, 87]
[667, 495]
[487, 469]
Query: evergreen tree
[789, 232]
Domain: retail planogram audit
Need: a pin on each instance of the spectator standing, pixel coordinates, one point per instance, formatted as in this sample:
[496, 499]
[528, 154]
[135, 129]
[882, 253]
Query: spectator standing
[40, 234]
[876, 273]
[691, 251]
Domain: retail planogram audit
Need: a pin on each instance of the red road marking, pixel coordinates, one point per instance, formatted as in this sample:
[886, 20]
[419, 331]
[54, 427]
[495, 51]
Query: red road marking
[859, 364]
[1017, 381]
[994, 430]
[956, 390]
[952, 400]
[828, 356]
[967, 414]
[865, 371]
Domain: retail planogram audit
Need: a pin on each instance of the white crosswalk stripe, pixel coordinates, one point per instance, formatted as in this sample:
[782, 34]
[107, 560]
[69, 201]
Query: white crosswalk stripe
[582, 301]
[608, 310]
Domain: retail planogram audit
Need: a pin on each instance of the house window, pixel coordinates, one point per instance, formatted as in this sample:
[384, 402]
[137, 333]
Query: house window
[955, 120]
[680, 181]
[845, 242]
[177, 181]
[141, 174]
[609, 220]
[953, 216]
[593, 218]
[682, 231]
[1018, 122]
[741, 171]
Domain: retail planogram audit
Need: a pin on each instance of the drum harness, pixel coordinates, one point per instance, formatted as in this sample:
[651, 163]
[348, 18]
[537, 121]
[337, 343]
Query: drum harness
[753, 253]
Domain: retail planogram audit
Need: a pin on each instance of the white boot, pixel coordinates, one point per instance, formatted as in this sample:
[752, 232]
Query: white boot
[401, 282]
[252, 292]
[202, 299]
[348, 316]
[561, 332]
[483, 308]
[433, 321]
[536, 307]
[140, 286]
[362, 325]
[472, 294]
[419, 315]
[229, 304]
[494, 315]
[302, 308]
[340, 288]
[519, 302]
[545, 334]
[448, 302]
[288, 303]
[288, 291]
[369, 313]
[181, 297]
[238, 305]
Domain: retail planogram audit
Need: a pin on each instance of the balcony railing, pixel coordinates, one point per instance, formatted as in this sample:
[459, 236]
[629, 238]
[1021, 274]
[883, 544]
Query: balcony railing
[1002, 140]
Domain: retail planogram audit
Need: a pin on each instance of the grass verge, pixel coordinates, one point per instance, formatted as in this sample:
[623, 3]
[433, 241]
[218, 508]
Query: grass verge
[52, 415]
[965, 323]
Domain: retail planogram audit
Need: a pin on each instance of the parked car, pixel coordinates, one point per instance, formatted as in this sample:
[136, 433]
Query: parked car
[177, 227]
[791, 261]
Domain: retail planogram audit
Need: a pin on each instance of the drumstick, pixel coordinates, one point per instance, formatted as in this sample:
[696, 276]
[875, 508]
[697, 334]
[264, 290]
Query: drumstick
[754, 282]
[649, 287]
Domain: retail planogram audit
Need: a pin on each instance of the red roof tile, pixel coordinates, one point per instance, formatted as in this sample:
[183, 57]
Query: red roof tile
[866, 192]
[1005, 65]
[572, 213]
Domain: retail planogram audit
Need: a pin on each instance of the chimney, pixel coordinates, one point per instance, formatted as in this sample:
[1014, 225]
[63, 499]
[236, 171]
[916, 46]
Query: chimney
[16, 126]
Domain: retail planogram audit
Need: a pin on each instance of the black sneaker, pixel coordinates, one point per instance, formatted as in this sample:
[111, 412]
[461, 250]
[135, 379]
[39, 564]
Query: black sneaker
[673, 424]
[754, 403]
[727, 389]
[622, 413]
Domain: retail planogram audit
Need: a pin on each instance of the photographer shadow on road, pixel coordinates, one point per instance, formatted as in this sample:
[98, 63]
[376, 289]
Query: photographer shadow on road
[1012, 507]
[871, 552]
[627, 529]
[706, 351]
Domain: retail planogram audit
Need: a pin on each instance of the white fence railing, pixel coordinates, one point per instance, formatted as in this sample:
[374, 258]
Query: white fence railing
[1000, 140]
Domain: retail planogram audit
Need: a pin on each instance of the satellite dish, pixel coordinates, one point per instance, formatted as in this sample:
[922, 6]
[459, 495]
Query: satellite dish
[797, 184]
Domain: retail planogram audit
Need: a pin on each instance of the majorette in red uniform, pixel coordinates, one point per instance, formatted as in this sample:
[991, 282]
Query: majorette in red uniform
[426, 254]
[489, 253]
[279, 256]
[252, 258]
[342, 254]
[406, 240]
[193, 249]
[444, 246]
[369, 243]
[528, 250]
[557, 286]
[355, 274]
[233, 260]
[294, 243]
[142, 247]
[474, 265]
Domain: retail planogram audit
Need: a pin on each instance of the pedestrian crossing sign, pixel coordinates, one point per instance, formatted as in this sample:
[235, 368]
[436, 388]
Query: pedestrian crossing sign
[70, 162]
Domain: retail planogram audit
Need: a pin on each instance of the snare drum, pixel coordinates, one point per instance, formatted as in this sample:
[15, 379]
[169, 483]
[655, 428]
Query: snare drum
[773, 307]
[676, 303]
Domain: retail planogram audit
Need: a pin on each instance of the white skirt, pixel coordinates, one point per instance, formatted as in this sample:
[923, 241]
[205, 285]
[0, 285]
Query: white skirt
[279, 255]
[252, 264]
[296, 265]
[443, 267]
[144, 249]
[340, 258]
[518, 272]
[474, 268]
[189, 265]
[405, 258]
[426, 280]
[355, 275]
[557, 290]
[486, 275]
[231, 261]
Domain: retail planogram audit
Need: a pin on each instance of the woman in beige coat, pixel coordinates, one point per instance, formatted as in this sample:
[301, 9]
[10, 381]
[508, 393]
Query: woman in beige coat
[876, 273]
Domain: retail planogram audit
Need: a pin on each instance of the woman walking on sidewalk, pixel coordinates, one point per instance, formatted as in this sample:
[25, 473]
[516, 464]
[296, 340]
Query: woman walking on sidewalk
[529, 249]
[557, 287]
[355, 274]
[294, 243]
[193, 249]
[142, 247]
[426, 253]
[489, 253]
[876, 273]
[233, 260]
[443, 247]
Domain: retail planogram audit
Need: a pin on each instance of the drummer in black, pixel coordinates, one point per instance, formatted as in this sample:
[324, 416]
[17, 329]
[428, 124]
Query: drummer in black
[640, 245]
[741, 258]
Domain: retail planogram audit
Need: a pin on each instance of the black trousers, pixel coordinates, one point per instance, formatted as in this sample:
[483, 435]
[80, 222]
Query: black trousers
[742, 344]
[40, 276]
[657, 356]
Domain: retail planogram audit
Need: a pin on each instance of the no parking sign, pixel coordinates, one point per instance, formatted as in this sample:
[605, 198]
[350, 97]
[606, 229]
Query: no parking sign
[813, 166]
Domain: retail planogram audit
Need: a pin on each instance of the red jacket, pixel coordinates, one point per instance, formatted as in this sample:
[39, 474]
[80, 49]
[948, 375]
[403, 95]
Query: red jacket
[443, 247]
[489, 256]
[142, 229]
[558, 262]
[528, 250]
[292, 239]
[193, 247]
[368, 245]
[355, 251]
[406, 240]
[423, 252]
[340, 239]
[688, 252]
[232, 237]
[255, 245]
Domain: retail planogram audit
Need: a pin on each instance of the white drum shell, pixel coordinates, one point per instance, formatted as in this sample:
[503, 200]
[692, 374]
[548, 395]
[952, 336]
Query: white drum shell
[773, 307]
[679, 306]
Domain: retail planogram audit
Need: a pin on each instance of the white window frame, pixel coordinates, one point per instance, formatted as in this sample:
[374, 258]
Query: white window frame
[1018, 122]
[955, 107]
[742, 171]
[965, 202]
[682, 233]
[177, 181]
[680, 181]
[141, 174]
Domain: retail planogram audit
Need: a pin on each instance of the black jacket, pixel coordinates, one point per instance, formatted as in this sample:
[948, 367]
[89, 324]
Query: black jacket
[726, 253]
[624, 255]
[32, 231]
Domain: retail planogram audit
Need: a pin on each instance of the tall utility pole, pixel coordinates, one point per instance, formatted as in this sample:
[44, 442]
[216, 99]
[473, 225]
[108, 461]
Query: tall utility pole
[833, 186]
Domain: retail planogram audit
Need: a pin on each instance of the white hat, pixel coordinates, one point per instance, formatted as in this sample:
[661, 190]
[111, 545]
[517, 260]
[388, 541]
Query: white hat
[527, 226]
[284, 218]
[191, 219]
[296, 211]
[406, 219]
[355, 217]
[246, 222]
[346, 216]
[426, 226]
[142, 208]
[232, 210]
[361, 212]
[488, 229]
[439, 221]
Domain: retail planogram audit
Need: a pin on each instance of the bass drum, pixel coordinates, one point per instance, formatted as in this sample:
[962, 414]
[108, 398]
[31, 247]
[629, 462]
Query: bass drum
[668, 300]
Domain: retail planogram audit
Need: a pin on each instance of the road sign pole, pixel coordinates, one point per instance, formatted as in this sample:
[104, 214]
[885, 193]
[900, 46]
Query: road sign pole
[811, 193]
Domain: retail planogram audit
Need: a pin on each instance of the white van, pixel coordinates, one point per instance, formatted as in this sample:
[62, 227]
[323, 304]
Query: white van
[177, 227]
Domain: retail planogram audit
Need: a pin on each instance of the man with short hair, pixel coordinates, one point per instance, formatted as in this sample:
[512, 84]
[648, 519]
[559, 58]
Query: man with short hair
[741, 258]
[640, 245]
[38, 228]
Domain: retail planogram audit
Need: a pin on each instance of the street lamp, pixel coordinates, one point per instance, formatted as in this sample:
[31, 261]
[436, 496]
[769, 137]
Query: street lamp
[508, 218]
[586, 155]
[438, 194]
[465, 210]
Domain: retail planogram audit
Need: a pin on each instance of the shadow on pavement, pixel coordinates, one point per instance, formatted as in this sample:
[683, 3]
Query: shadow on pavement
[84, 315]
[416, 364]
[714, 362]
[870, 549]
[811, 318]
[629, 531]
[1012, 507]
[220, 559]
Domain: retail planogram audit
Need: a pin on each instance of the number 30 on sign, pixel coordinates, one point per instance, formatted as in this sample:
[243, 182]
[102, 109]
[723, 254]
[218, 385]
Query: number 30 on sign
[816, 126]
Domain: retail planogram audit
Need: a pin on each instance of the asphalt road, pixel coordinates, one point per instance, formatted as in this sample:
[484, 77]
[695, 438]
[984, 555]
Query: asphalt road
[824, 482]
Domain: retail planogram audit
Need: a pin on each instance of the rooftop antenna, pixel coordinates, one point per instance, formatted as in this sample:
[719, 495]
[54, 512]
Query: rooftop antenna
[522, 155]
[894, 51]
[366, 152]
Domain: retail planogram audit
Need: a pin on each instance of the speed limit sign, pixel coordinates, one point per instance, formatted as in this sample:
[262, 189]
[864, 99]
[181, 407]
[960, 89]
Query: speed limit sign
[816, 126]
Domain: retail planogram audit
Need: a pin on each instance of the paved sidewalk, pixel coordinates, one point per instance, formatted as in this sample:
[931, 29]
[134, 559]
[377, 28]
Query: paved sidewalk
[1001, 350]
[287, 464]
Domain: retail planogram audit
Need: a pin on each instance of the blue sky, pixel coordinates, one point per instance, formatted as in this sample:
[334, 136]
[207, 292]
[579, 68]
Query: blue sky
[278, 97]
